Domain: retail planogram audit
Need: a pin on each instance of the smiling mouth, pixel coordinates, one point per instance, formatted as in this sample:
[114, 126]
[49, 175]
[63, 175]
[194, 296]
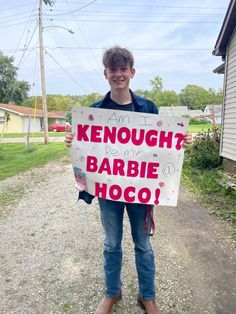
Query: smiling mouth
[118, 81]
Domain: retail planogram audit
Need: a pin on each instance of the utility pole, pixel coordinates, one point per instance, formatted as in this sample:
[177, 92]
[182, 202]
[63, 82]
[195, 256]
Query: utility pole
[42, 69]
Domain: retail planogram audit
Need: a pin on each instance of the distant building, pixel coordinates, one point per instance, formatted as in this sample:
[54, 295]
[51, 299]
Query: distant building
[214, 109]
[176, 111]
[20, 118]
[226, 48]
[196, 114]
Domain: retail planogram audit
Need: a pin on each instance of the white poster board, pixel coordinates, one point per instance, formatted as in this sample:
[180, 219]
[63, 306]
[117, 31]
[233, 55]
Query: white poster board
[133, 157]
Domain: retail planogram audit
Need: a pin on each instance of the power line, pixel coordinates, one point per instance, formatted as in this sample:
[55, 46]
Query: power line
[71, 58]
[139, 21]
[17, 6]
[133, 13]
[102, 48]
[11, 25]
[84, 6]
[86, 42]
[112, 4]
[60, 66]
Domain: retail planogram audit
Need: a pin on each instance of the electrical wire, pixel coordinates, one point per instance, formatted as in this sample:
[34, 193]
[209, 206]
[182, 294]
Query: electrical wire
[138, 21]
[17, 6]
[136, 49]
[67, 73]
[79, 9]
[58, 37]
[112, 4]
[87, 43]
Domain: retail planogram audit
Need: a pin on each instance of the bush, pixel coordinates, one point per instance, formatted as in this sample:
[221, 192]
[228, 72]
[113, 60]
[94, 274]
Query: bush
[204, 153]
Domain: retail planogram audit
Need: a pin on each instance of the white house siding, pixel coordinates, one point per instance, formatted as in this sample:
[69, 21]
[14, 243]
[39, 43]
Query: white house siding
[228, 144]
[34, 124]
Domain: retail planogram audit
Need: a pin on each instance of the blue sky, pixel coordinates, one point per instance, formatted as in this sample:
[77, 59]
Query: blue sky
[170, 38]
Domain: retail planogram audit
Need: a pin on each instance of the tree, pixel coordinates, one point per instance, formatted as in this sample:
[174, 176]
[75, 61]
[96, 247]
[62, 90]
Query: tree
[215, 96]
[87, 100]
[156, 83]
[156, 90]
[10, 88]
[168, 98]
[194, 97]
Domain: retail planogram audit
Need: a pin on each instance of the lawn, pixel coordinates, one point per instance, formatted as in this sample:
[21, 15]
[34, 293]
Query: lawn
[38, 134]
[15, 159]
[198, 128]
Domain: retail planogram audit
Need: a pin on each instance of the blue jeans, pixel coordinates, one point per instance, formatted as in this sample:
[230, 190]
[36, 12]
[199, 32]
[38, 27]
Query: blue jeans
[112, 214]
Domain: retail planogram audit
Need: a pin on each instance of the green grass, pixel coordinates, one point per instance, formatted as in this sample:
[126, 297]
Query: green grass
[38, 134]
[15, 159]
[198, 128]
[220, 201]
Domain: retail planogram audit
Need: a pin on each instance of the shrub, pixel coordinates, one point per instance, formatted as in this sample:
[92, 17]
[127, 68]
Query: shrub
[198, 121]
[204, 153]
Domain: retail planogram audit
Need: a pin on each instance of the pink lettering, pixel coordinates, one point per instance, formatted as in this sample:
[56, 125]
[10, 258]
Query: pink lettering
[152, 169]
[95, 133]
[115, 192]
[91, 164]
[118, 167]
[165, 139]
[144, 195]
[151, 137]
[180, 139]
[100, 190]
[105, 166]
[123, 135]
[157, 195]
[128, 198]
[81, 132]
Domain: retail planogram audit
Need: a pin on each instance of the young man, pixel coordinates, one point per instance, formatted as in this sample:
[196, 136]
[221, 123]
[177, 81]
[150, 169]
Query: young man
[118, 63]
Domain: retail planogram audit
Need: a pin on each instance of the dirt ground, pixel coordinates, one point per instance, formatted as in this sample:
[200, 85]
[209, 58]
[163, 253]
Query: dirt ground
[51, 252]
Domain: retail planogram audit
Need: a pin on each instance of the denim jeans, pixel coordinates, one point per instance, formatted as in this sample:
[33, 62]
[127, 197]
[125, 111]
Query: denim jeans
[112, 214]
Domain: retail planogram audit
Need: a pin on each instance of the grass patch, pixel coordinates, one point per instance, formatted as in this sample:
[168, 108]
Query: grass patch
[220, 200]
[199, 128]
[15, 159]
[38, 134]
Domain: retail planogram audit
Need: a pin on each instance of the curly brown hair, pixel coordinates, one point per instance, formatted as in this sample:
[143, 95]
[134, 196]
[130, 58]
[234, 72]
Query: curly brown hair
[117, 56]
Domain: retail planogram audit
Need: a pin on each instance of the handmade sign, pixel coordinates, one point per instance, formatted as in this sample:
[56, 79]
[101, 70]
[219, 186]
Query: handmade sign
[133, 157]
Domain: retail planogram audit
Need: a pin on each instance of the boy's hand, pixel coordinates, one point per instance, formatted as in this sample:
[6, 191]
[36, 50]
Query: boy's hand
[188, 138]
[68, 139]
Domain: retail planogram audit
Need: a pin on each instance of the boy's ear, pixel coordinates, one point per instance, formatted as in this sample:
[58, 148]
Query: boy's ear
[133, 71]
[105, 73]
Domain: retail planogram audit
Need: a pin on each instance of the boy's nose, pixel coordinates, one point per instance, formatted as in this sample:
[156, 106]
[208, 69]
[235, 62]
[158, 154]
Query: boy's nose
[118, 72]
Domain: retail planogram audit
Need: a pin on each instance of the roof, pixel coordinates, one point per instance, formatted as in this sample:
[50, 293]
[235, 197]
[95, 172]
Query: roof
[195, 113]
[226, 31]
[174, 110]
[27, 111]
[220, 69]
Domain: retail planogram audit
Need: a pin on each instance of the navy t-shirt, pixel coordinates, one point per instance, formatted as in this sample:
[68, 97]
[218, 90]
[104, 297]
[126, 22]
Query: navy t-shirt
[110, 104]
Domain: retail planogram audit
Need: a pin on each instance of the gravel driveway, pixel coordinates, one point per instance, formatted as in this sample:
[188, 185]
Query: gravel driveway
[51, 252]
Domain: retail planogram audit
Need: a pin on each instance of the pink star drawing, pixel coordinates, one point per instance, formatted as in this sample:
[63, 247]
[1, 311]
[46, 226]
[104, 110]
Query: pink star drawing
[91, 118]
[161, 184]
[159, 123]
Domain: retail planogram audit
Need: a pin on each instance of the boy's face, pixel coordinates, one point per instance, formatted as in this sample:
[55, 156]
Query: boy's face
[119, 76]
